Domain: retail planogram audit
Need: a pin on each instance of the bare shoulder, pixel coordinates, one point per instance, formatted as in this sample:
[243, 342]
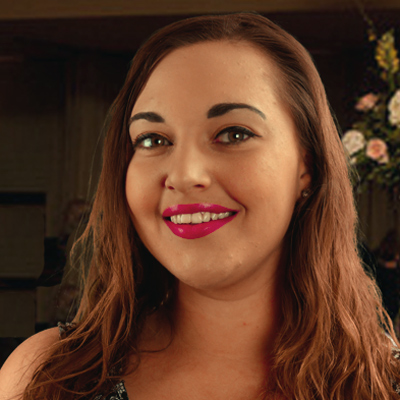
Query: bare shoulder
[17, 371]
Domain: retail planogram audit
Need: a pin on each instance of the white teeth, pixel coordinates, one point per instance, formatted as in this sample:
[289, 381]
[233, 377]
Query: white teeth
[198, 218]
[206, 217]
[186, 218]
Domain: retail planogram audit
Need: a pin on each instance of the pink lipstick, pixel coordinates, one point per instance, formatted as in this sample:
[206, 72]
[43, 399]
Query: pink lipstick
[195, 231]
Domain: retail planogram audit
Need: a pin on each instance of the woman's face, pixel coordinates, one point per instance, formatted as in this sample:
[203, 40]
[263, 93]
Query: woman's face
[211, 137]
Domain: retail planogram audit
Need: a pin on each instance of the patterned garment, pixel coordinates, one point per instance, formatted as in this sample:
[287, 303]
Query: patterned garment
[396, 354]
[118, 393]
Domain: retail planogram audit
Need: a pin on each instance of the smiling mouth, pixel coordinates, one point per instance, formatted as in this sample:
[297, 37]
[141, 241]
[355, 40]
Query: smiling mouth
[199, 217]
[196, 230]
[194, 221]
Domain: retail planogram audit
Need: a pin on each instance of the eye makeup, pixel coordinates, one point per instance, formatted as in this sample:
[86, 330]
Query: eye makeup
[149, 141]
[234, 135]
[239, 135]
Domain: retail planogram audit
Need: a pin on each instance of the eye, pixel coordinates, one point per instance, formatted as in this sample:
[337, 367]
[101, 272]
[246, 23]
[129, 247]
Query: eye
[150, 141]
[234, 135]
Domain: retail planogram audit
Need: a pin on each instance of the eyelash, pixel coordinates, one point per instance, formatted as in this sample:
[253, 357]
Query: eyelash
[234, 129]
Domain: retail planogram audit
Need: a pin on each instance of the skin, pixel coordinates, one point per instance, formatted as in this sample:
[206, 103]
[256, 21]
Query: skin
[226, 316]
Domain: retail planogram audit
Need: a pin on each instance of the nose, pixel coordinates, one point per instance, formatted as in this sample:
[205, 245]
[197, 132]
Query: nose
[188, 169]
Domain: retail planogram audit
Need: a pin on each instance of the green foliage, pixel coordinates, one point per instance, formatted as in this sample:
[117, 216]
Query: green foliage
[373, 142]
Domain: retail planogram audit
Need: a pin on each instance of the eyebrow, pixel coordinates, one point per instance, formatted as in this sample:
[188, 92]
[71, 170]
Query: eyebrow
[215, 111]
[223, 108]
[149, 116]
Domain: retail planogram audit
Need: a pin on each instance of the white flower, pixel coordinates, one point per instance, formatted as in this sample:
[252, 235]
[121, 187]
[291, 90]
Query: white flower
[353, 141]
[394, 109]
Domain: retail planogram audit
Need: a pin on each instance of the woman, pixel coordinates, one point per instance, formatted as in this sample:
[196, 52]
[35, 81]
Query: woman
[224, 260]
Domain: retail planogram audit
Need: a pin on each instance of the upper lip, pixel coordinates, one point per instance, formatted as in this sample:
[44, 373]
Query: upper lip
[195, 208]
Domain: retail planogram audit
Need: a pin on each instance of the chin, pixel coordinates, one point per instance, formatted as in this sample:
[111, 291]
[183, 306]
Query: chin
[212, 277]
[203, 279]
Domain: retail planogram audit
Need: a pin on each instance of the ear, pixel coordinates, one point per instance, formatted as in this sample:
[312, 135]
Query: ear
[304, 176]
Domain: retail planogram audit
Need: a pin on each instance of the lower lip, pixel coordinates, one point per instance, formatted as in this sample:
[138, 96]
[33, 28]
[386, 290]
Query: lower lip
[195, 231]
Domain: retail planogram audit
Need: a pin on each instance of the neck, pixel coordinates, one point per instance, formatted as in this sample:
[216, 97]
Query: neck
[239, 326]
[223, 338]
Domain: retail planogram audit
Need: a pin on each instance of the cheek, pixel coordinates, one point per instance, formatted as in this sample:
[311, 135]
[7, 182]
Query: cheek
[250, 179]
[140, 189]
[266, 187]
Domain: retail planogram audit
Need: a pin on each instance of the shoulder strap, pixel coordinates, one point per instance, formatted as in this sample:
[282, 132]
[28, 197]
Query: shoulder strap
[63, 329]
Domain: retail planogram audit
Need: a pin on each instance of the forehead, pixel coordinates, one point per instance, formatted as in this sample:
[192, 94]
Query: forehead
[212, 72]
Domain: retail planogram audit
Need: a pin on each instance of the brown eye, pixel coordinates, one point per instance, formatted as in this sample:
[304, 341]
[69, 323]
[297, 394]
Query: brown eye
[234, 135]
[150, 141]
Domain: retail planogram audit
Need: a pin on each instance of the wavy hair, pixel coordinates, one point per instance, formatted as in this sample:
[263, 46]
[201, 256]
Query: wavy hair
[332, 343]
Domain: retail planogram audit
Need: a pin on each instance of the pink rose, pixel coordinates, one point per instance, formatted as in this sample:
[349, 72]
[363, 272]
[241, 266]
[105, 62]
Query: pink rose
[367, 102]
[377, 150]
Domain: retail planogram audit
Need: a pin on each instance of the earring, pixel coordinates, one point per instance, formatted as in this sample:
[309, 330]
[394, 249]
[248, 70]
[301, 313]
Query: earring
[305, 193]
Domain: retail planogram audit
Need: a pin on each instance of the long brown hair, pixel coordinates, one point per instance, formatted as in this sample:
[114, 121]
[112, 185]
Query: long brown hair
[331, 344]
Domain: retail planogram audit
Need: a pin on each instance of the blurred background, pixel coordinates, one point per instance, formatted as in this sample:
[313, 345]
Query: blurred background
[61, 65]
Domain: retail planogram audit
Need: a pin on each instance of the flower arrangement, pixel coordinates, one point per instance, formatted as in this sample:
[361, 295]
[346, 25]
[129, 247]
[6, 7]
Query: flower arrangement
[373, 142]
